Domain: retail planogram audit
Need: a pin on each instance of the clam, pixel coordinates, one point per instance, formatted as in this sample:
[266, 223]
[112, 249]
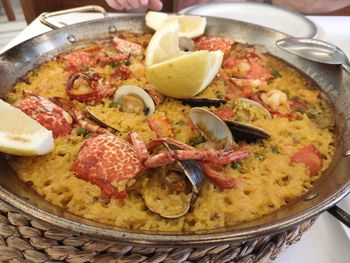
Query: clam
[179, 183]
[186, 44]
[244, 103]
[134, 99]
[224, 133]
[211, 127]
[202, 102]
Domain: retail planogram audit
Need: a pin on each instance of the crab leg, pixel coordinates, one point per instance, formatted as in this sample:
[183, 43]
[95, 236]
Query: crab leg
[78, 116]
[139, 146]
[216, 177]
[82, 122]
[154, 143]
[221, 157]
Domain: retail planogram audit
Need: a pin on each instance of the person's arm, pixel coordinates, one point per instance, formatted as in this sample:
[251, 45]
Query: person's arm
[312, 6]
[133, 4]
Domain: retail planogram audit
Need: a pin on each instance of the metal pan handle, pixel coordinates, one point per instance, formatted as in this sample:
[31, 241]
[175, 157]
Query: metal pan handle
[89, 8]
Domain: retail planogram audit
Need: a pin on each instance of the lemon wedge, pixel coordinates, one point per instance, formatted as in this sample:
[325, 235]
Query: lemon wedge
[164, 44]
[185, 75]
[21, 135]
[189, 26]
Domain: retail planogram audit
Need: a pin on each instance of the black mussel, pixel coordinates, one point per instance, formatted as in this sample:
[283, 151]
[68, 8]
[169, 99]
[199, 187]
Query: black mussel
[203, 102]
[246, 132]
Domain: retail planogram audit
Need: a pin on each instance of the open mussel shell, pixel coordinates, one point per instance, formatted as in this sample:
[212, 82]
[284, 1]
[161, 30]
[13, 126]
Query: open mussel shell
[254, 104]
[211, 127]
[138, 94]
[246, 132]
[174, 205]
[203, 102]
[172, 210]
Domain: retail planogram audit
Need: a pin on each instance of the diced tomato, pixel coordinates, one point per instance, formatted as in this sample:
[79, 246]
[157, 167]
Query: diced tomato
[224, 113]
[123, 72]
[160, 124]
[257, 71]
[297, 105]
[310, 157]
[230, 62]
[276, 114]
[214, 43]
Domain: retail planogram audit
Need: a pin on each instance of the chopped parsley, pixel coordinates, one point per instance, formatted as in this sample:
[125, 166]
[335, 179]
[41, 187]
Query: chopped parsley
[276, 74]
[259, 156]
[82, 132]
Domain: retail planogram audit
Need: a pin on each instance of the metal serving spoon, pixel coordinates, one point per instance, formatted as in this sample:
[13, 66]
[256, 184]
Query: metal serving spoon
[316, 50]
[323, 52]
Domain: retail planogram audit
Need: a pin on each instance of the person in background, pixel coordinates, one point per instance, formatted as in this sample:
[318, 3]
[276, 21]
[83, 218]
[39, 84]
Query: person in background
[305, 6]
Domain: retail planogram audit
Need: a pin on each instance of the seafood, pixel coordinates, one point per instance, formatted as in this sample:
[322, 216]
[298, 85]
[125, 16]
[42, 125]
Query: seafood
[111, 162]
[212, 127]
[133, 99]
[79, 117]
[214, 43]
[186, 44]
[212, 161]
[274, 98]
[88, 88]
[221, 132]
[78, 60]
[127, 47]
[47, 114]
[156, 96]
[193, 167]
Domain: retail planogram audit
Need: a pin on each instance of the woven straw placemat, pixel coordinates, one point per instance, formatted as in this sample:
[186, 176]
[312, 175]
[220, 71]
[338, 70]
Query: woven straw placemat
[25, 239]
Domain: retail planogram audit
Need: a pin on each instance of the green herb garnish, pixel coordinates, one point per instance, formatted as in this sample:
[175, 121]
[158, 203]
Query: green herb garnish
[276, 74]
[114, 104]
[235, 165]
[82, 132]
[180, 122]
[259, 156]
[274, 149]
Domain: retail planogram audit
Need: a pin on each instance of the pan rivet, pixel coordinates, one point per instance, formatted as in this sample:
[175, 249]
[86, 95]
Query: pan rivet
[347, 152]
[112, 29]
[310, 196]
[71, 39]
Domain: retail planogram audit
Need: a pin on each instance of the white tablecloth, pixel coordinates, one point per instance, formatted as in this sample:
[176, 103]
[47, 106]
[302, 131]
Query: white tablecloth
[328, 241]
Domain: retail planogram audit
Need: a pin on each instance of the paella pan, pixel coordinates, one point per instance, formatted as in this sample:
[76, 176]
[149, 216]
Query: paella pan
[221, 234]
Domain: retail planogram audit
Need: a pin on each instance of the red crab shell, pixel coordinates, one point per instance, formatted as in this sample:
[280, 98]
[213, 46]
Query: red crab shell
[47, 114]
[105, 159]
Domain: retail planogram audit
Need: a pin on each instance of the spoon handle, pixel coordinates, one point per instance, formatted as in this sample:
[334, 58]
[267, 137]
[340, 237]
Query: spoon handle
[346, 67]
[340, 214]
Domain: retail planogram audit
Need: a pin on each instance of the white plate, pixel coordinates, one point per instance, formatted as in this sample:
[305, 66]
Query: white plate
[280, 19]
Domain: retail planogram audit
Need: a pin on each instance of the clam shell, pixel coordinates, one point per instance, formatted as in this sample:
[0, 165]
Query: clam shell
[193, 173]
[255, 104]
[186, 44]
[130, 89]
[211, 126]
